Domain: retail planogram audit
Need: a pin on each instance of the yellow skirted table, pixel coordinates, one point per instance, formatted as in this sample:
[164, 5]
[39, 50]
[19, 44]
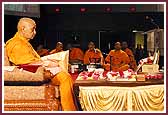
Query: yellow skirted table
[116, 98]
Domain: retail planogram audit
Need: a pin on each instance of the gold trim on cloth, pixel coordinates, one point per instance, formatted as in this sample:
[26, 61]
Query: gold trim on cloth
[109, 98]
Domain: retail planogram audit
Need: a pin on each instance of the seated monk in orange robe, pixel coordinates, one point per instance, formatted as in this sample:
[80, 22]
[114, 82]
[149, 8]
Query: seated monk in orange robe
[132, 63]
[93, 55]
[75, 54]
[119, 59]
[20, 51]
[41, 51]
[58, 48]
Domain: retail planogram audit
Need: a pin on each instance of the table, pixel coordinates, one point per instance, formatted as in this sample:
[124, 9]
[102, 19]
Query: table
[120, 95]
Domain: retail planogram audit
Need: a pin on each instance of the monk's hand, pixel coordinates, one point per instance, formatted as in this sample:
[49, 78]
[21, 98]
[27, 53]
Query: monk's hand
[48, 75]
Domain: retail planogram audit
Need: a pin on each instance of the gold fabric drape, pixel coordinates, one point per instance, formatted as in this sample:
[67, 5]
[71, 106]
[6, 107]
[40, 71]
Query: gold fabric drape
[111, 98]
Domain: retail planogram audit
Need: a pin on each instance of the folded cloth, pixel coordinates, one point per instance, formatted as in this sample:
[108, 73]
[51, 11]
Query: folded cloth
[58, 59]
[54, 70]
[28, 67]
[9, 68]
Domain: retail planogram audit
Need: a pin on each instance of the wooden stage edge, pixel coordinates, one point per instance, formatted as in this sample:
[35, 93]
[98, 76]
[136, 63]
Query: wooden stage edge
[117, 83]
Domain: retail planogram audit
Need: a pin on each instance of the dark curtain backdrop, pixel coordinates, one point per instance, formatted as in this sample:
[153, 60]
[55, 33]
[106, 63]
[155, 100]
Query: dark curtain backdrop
[64, 26]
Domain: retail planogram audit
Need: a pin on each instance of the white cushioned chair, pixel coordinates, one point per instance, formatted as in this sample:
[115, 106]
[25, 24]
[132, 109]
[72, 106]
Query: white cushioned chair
[27, 91]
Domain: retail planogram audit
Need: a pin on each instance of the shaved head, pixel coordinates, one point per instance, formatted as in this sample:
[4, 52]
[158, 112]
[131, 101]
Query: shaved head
[59, 46]
[69, 46]
[124, 45]
[59, 43]
[91, 45]
[117, 46]
[117, 43]
[24, 21]
[26, 28]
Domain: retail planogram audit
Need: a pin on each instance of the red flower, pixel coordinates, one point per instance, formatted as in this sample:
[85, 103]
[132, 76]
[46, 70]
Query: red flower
[152, 76]
[95, 77]
[121, 74]
[129, 77]
[149, 61]
[90, 74]
[130, 70]
[155, 76]
[105, 73]
[148, 76]
[159, 76]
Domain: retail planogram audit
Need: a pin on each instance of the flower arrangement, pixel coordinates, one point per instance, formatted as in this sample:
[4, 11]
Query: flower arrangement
[100, 74]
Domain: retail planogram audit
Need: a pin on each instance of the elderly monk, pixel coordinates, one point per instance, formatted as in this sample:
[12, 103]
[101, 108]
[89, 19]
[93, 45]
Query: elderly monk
[117, 60]
[58, 48]
[93, 55]
[75, 54]
[20, 51]
[132, 63]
